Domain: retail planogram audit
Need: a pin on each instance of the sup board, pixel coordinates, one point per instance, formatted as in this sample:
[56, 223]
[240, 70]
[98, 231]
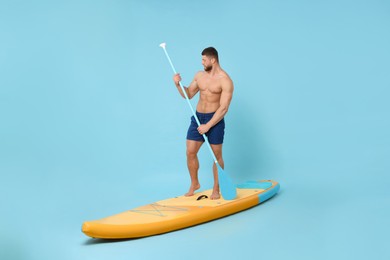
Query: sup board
[179, 212]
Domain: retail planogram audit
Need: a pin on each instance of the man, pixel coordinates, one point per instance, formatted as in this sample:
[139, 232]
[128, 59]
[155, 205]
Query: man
[216, 91]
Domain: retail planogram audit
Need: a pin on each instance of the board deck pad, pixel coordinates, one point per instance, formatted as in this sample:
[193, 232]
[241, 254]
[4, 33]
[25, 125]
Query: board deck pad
[179, 212]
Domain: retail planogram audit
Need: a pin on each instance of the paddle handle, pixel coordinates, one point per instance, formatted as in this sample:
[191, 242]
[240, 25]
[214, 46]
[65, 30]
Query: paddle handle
[192, 110]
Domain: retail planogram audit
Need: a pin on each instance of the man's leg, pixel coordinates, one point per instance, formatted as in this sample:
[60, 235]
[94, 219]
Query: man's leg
[193, 165]
[217, 149]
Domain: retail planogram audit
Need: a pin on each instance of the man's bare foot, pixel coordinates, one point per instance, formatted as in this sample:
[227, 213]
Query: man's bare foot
[192, 190]
[215, 195]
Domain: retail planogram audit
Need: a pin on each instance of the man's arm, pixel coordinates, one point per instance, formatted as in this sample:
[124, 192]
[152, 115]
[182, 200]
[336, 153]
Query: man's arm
[191, 90]
[226, 98]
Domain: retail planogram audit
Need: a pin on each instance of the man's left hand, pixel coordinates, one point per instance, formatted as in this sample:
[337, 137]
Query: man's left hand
[202, 129]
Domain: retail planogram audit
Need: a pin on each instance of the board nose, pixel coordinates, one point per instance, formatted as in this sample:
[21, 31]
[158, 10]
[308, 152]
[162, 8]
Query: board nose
[86, 227]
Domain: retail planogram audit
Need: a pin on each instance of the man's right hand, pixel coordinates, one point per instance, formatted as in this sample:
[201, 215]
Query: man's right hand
[177, 79]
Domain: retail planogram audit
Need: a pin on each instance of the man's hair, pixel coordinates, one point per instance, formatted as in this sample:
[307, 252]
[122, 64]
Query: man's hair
[211, 52]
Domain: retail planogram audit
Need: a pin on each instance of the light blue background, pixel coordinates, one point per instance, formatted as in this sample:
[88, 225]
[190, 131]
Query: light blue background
[91, 125]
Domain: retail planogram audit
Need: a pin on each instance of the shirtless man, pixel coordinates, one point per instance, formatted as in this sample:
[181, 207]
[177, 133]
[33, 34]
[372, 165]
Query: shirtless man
[216, 91]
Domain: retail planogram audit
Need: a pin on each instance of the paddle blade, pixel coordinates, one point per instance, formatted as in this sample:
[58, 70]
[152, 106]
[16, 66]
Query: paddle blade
[228, 189]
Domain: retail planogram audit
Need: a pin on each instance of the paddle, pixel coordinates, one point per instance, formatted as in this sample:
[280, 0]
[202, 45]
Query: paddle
[228, 189]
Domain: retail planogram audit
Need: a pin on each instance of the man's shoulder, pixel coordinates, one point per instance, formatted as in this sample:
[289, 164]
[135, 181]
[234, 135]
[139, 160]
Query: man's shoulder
[200, 74]
[225, 77]
[226, 82]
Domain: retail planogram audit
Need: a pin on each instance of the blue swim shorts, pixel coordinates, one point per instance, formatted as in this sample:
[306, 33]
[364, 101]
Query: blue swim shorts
[215, 134]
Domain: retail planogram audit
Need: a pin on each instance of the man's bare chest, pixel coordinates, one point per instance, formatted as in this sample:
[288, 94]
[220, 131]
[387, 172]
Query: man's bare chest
[210, 85]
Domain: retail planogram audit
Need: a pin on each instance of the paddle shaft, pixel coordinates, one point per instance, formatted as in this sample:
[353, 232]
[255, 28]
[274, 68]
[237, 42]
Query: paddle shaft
[192, 110]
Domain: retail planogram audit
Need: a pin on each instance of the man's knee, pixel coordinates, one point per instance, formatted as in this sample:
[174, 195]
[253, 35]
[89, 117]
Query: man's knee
[192, 153]
[193, 148]
[217, 149]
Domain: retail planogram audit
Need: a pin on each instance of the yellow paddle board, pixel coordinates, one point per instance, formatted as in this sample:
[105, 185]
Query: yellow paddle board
[179, 212]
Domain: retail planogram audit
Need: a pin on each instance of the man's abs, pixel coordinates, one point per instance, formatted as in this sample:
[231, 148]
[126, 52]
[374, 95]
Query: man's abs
[207, 107]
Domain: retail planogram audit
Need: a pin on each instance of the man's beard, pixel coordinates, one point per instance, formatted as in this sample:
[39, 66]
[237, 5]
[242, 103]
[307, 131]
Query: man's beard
[208, 68]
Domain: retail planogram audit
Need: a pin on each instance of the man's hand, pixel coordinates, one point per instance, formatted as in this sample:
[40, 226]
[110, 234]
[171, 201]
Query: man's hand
[177, 79]
[202, 129]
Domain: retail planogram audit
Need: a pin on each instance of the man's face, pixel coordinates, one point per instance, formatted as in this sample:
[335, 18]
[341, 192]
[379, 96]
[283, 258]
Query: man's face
[206, 62]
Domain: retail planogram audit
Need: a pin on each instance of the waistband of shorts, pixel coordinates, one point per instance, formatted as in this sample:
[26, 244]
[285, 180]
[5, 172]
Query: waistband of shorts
[205, 114]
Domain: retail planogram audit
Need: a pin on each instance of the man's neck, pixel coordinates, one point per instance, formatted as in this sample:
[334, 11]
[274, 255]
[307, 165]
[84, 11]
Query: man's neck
[215, 70]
